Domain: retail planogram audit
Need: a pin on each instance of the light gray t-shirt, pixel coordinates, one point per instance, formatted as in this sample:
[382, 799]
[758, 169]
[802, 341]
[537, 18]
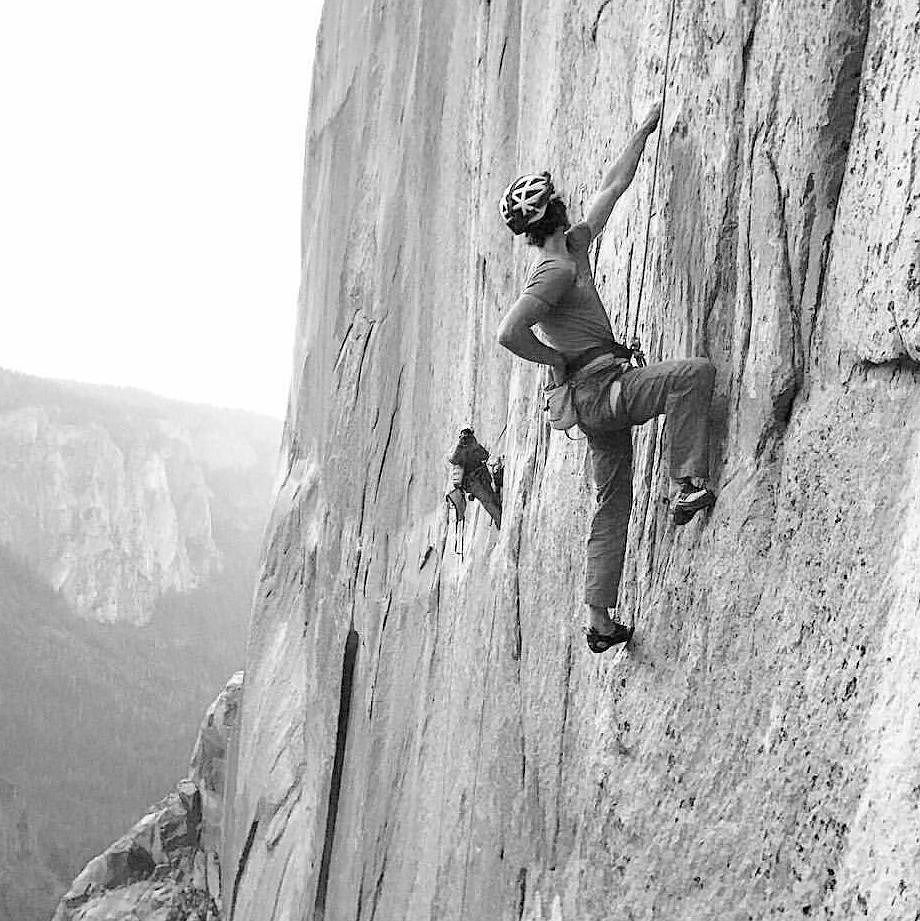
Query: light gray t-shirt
[577, 320]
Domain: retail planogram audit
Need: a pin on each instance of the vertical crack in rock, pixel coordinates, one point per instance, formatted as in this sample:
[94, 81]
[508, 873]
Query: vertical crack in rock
[241, 866]
[838, 137]
[597, 20]
[562, 731]
[484, 45]
[341, 352]
[476, 110]
[407, 502]
[478, 291]
[730, 215]
[650, 507]
[378, 887]
[360, 906]
[360, 371]
[723, 280]
[627, 337]
[279, 886]
[782, 402]
[747, 292]
[386, 446]
[522, 891]
[648, 469]
[478, 761]
[383, 626]
[338, 765]
[745, 63]
[518, 640]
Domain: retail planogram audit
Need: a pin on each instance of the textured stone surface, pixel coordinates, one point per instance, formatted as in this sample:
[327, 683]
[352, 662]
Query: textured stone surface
[104, 525]
[209, 771]
[167, 867]
[755, 755]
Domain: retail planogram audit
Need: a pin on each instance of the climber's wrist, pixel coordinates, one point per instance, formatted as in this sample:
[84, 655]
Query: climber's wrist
[558, 370]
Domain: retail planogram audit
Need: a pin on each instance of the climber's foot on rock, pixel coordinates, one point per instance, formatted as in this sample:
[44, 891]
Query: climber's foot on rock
[690, 500]
[601, 642]
[602, 632]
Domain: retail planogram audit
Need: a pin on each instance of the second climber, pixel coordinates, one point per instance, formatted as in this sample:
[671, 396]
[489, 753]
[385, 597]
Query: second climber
[470, 475]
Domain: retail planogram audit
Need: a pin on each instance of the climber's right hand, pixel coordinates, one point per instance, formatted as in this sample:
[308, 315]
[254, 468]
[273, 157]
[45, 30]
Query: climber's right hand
[650, 122]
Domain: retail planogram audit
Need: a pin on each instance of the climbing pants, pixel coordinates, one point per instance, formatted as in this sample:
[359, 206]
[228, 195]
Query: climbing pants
[609, 403]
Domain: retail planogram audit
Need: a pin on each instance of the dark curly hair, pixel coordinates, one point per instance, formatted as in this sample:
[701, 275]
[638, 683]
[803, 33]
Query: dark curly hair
[554, 218]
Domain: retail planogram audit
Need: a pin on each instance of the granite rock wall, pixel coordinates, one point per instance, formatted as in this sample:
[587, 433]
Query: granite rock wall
[428, 737]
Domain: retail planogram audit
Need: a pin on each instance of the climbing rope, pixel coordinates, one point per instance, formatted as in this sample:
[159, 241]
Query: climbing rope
[634, 343]
[651, 200]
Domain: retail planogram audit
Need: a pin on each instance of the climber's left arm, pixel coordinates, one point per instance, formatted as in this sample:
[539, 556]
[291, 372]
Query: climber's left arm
[621, 174]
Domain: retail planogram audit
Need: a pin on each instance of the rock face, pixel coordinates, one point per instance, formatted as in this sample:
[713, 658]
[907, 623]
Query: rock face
[166, 868]
[109, 494]
[429, 738]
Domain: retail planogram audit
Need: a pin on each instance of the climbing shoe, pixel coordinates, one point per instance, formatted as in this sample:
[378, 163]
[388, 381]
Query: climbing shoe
[690, 500]
[601, 642]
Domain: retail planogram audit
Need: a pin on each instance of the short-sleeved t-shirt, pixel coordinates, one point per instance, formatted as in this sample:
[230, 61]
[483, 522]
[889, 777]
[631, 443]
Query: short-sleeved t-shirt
[577, 320]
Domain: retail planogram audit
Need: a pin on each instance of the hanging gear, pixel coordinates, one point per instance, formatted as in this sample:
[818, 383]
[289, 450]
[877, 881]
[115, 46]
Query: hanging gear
[498, 476]
[559, 406]
[638, 356]
[457, 501]
[525, 201]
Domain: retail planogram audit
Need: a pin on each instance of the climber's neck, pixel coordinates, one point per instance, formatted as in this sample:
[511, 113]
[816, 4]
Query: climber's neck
[555, 245]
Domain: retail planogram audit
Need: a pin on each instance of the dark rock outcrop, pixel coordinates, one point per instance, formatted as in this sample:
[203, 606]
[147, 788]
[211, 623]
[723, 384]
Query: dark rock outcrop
[167, 867]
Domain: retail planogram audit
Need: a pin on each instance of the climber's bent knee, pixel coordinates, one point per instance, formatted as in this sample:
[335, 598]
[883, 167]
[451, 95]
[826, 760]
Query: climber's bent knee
[702, 370]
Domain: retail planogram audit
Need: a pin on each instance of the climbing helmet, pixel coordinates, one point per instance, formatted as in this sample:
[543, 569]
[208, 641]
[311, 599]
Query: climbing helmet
[524, 201]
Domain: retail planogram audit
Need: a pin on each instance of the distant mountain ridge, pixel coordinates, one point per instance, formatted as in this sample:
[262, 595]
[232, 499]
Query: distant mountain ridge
[113, 495]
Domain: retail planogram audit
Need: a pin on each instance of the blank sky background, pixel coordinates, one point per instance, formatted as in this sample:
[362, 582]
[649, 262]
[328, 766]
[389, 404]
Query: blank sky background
[150, 188]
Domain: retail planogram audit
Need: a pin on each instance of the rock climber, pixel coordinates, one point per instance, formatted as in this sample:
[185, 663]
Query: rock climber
[470, 474]
[609, 394]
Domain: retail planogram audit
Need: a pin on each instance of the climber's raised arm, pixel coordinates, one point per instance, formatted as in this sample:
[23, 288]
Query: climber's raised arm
[621, 174]
[516, 335]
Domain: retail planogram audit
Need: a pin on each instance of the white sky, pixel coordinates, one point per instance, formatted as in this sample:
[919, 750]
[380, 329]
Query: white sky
[150, 188]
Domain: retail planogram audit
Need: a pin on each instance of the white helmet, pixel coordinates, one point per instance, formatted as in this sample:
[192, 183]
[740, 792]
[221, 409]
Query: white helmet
[524, 201]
